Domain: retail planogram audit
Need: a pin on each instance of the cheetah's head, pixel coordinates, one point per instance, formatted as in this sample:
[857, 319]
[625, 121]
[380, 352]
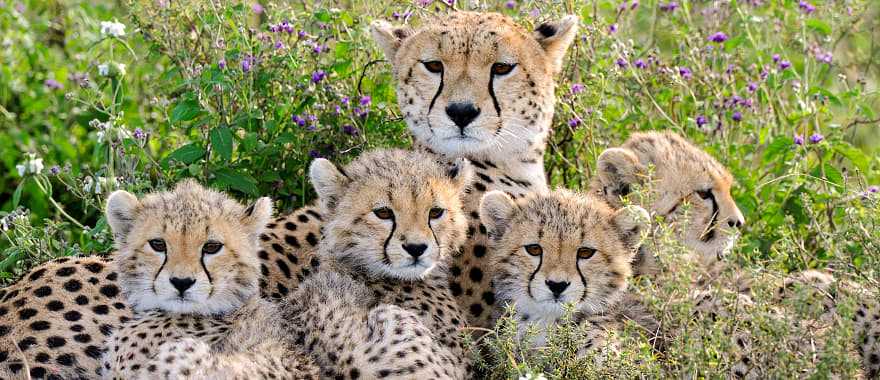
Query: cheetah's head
[190, 250]
[477, 84]
[392, 213]
[691, 190]
[560, 247]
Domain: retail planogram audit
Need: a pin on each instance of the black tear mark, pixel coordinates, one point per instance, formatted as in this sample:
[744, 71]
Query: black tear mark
[385, 258]
[532, 276]
[439, 90]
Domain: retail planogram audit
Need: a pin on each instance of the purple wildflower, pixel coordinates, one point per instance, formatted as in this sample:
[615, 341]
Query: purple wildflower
[298, 120]
[337, 109]
[574, 122]
[279, 45]
[825, 57]
[784, 64]
[350, 130]
[640, 63]
[395, 15]
[535, 13]
[612, 28]
[685, 72]
[345, 100]
[622, 63]
[752, 86]
[798, 140]
[737, 116]
[701, 121]
[221, 64]
[53, 84]
[318, 76]
[257, 8]
[806, 7]
[301, 33]
[669, 7]
[817, 137]
[318, 48]
[718, 37]
[424, 3]
[54, 170]
[361, 112]
[510, 4]
[635, 4]
[874, 189]
[247, 64]
[365, 100]
[139, 134]
[776, 58]
[577, 88]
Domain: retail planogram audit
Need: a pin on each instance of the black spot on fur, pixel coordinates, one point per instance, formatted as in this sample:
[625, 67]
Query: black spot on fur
[110, 291]
[73, 285]
[43, 291]
[37, 274]
[65, 272]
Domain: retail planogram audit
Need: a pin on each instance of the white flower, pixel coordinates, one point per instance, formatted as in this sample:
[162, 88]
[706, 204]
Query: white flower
[31, 165]
[112, 28]
[100, 136]
[120, 68]
[103, 69]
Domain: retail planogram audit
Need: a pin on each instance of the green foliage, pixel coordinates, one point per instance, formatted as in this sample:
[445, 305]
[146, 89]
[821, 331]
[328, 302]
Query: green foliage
[243, 100]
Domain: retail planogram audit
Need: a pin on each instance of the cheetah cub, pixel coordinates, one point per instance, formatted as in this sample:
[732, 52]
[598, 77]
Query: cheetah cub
[381, 306]
[188, 267]
[562, 248]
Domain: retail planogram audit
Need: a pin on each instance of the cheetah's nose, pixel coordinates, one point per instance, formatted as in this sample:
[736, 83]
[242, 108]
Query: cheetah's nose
[462, 113]
[182, 284]
[415, 250]
[557, 287]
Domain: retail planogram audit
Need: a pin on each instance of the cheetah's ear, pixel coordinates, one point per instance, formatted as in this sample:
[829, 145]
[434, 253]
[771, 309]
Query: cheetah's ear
[618, 170]
[257, 215]
[389, 37]
[630, 222]
[329, 183]
[496, 211]
[120, 211]
[461, 173]
[555, 37]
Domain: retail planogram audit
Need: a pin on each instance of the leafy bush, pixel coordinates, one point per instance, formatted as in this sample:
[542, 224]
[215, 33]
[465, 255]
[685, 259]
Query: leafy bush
[241, 95]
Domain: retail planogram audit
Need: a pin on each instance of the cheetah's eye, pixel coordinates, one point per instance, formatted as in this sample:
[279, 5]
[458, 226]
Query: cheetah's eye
[586, 252]
[436, 213]
[534, 249]
[499, 68]
[211, 247]
[433, 66]
[384, 213]
[705, 194]
[157, 245]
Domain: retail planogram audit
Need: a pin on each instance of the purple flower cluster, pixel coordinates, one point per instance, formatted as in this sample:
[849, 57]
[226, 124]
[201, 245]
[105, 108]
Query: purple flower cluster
[577, 88]
[798, 140]
[824, 57]
[510, 4]
[81, 79]
[574, 122]
[784, 64]
[622, 63]
[139, 134]
[668, 7]
[402, 16]
[718, 37]
[284, 26]
[806, 7]
[257, 8]
[318, 76]
[816, 138]
[640, 63]
[350, 130]
[685, 72]
[248, 63]
[701, 121]
[52, 84]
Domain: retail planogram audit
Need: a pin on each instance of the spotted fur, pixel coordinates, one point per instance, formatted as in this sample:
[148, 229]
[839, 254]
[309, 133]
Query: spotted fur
[188, 266]
[393, 218]
[561, 248]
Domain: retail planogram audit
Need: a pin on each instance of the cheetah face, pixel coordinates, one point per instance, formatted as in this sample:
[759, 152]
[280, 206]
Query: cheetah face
[191, 250]
[477, 84]
[392, 213]
[559, 248]
[690, 189]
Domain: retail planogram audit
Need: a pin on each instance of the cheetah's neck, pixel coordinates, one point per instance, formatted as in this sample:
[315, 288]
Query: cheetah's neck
[524, 171]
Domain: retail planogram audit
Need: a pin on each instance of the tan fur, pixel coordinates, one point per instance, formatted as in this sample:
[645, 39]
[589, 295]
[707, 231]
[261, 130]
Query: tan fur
[681, 171]
[405, 186]
[560, 224]
[165, 237]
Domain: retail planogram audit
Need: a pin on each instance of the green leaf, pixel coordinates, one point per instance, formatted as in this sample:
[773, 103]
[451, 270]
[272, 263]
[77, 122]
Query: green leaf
[185, 111]
[238, 181]
[186, 154]
[221, 142]
[777, 150]
[16, 196]
[820, 26]
[853, 154]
